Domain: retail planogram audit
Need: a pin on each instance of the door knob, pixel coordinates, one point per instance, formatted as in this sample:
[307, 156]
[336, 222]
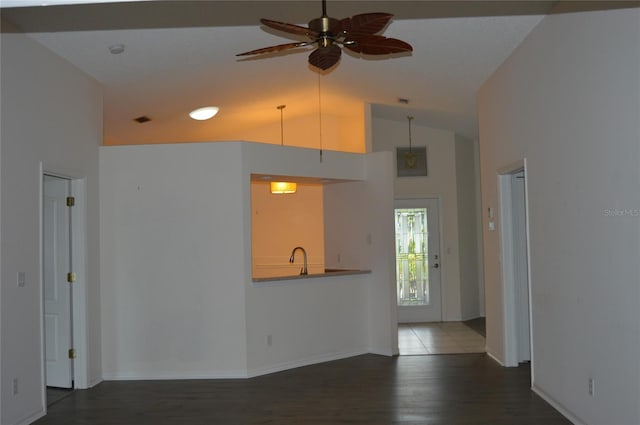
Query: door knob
[436, 265]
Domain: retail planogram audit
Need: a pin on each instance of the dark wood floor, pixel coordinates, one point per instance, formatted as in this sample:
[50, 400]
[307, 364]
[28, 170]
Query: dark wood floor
[461, 389]
[54, 395]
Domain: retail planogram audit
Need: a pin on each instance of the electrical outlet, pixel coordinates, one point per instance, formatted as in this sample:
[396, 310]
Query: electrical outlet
[21, 279]
[15, 386]
[269, 340]
[592, 387]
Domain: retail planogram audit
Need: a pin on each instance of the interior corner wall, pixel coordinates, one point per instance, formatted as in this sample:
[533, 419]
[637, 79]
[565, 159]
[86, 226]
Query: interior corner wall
[51, 114]
[440, 183]
[173, 261]
[568, 100]
[468, 212]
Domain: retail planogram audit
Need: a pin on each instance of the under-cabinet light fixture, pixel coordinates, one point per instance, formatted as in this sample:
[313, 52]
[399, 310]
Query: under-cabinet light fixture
[283, 187]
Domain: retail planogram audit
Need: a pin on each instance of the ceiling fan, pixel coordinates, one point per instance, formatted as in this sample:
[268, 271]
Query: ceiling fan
[358, 34]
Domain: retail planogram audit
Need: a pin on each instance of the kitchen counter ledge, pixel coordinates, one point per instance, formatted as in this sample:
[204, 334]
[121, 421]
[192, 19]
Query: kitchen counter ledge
[327, 273]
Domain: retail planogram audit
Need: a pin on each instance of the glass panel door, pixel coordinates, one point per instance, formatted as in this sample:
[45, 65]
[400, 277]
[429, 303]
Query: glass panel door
[418, 260]
[412, 259]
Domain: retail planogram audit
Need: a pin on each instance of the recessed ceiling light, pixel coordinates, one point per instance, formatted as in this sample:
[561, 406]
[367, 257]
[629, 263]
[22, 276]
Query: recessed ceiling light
[205, 113]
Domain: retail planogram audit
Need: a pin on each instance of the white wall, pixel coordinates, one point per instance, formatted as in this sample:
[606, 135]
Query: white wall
[178, 298]
[172, 261]
[568, 100]
[467, 177]
[51, 114]
[360, 234]
[440, 183]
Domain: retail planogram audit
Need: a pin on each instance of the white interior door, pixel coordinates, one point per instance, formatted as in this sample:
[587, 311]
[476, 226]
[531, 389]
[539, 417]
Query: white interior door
[57, 291]
[418, 260]
[520, 274]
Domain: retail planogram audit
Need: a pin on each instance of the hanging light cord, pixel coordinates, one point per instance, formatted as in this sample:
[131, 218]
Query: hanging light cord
[409, 117]
[320, 115]
[281, 107]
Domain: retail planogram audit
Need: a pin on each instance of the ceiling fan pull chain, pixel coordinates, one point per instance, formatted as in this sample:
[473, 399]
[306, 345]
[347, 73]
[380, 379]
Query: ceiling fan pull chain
[409, 118]
[320, 115]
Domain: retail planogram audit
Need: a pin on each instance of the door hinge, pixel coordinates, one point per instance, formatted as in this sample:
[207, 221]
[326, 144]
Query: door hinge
[71, 277]
[71, 201]
[72, 353]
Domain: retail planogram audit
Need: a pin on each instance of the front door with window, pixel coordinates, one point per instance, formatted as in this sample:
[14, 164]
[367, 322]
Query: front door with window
[418, 260]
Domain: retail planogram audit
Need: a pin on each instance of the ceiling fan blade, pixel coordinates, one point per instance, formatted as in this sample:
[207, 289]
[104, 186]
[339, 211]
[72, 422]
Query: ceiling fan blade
[325, 57]
[375, 44]
[277, 48]
[366, 23]
[290, 28]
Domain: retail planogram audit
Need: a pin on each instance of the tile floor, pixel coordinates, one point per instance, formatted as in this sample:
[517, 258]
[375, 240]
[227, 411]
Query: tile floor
[438, 338]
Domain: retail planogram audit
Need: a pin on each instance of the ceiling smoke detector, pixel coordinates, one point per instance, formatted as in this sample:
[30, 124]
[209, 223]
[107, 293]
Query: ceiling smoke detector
[116, 49]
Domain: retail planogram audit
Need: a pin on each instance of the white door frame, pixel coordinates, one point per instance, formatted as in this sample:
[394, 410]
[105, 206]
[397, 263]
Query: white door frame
[79, 287]
[510, 335]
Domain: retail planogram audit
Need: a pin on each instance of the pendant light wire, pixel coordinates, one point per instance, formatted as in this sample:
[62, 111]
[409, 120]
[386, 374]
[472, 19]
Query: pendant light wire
[281, 107]
[409, 118]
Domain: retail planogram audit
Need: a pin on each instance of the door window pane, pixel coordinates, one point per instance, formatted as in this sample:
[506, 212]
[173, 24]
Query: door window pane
[412, 259]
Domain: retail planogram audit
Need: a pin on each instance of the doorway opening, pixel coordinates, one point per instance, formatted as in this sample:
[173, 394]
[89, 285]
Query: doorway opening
[514, 240]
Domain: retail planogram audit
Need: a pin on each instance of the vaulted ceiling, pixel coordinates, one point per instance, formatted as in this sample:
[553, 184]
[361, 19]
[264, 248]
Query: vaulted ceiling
[181, 54]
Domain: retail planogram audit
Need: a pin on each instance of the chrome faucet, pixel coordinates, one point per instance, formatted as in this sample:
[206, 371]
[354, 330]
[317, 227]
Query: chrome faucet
[303, 271]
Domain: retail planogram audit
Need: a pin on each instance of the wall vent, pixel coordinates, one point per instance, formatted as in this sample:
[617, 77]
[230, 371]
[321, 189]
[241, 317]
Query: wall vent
[142, 119]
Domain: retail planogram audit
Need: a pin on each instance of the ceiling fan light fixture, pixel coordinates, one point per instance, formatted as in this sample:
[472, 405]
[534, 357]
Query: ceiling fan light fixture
[204, 113]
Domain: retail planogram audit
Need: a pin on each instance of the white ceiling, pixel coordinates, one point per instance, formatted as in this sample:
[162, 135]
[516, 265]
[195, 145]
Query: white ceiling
[181, 55]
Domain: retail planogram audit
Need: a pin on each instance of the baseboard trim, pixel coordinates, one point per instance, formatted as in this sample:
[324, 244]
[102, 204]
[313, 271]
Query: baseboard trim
[279, 367]
[93, 382]
[32, 417]
[495, 359]
[384, 352]
[233, 374]
[244, 374]
[558, 406]
[464, 319]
